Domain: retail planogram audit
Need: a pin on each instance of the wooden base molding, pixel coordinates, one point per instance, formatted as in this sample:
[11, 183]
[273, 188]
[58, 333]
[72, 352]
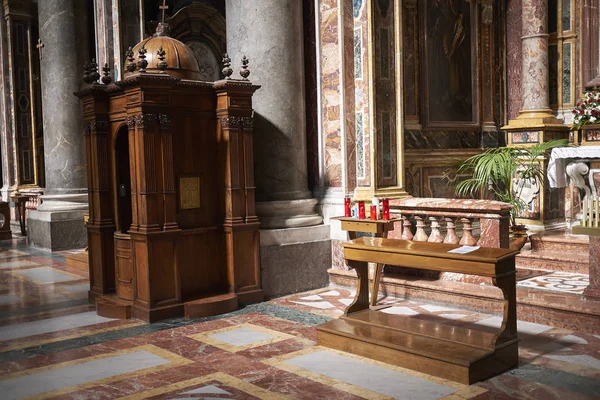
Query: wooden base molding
[210, 306]
[78, 260]
[251, 297]
[113, 307]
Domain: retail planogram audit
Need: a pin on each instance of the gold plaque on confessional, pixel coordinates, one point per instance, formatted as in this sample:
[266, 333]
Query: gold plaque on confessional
[189, 192]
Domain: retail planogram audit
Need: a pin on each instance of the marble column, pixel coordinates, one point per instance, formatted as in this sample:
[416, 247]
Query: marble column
[58, 222]
[7, 138]
[535, 109]
[104, 35]
[270, 33]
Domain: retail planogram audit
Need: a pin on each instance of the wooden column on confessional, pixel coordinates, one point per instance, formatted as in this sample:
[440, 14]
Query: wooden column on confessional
[101, 222]
[241, 226]
[154, 230]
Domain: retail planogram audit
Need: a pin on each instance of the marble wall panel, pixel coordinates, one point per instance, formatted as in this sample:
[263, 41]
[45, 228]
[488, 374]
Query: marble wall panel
[361, 94]
[417, 140]
[513, 58]
[439, 182]
[410, 44]
[413, 180]
[331, 98]
[432, 173]
[587, 12]
[554, 204]
[349, 94]
[384, 66]
[525, 137]
[337, 256]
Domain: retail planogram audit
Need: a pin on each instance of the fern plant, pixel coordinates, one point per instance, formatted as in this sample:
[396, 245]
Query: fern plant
[495, 170]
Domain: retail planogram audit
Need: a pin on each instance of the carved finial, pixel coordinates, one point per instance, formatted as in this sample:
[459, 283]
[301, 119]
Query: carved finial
[244, 71]
[162, 64]
[94, 74]
[142, 62]
[162, 29]
[106, 79]
[131, 65]
[87, 70]
[227, 71]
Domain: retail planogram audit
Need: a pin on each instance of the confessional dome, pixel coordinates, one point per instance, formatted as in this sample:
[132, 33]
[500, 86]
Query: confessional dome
[181, 62]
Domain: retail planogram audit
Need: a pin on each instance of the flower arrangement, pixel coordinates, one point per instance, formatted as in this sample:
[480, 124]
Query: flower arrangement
[587, 110]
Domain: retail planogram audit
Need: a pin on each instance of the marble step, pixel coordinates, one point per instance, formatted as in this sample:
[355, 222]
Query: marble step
[559, 241]
[554, 261]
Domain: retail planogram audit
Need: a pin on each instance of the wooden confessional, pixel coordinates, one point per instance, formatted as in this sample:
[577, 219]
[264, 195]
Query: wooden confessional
[172, 229]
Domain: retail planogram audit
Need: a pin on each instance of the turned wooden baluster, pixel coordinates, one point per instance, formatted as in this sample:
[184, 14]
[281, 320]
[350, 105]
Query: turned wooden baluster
[451, 232]
[406, 233]
[420, 235]
[436, 236]
[467, 238]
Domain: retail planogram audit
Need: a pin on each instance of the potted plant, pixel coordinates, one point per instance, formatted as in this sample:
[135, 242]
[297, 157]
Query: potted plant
[510, 174]
[586, 117]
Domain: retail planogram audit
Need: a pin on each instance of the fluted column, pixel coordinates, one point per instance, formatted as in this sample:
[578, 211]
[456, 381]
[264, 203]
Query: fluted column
[58, 223]
[276, 57]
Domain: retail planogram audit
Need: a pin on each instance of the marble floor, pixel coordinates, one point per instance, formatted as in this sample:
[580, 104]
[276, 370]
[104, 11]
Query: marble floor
[52, 345]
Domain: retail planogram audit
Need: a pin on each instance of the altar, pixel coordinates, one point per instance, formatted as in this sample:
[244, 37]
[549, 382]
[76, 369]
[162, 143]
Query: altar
[562, 157]
[569, 167]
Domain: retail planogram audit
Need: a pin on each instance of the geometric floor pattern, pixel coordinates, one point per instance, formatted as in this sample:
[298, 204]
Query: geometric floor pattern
[558, 281]
[53, 346]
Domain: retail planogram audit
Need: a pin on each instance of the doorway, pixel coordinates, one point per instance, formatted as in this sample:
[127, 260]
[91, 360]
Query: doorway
[123, 175]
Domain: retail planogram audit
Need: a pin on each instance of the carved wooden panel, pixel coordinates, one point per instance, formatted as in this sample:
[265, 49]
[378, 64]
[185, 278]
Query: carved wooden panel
[189, 192]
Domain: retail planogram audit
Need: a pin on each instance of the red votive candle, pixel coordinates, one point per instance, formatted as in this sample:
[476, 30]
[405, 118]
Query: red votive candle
[347, 211]
[361, 210]
[386, 209]
[374, 213]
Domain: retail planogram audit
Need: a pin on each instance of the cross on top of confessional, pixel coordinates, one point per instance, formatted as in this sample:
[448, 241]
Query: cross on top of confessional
[163, 8]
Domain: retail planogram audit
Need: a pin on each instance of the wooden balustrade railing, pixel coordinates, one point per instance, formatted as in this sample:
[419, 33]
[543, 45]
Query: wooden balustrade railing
[590, 217]
[591, 209]
[452, 221]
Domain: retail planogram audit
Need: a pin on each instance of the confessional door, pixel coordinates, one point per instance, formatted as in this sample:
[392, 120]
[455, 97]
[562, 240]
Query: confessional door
[123, 263]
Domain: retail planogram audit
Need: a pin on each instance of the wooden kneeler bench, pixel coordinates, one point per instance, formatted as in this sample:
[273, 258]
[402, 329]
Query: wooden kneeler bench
[456, 353]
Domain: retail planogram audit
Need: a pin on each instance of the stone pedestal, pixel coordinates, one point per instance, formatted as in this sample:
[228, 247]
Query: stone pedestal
[294, 260]
[592, 292]
[58, 223]
[276, 54]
